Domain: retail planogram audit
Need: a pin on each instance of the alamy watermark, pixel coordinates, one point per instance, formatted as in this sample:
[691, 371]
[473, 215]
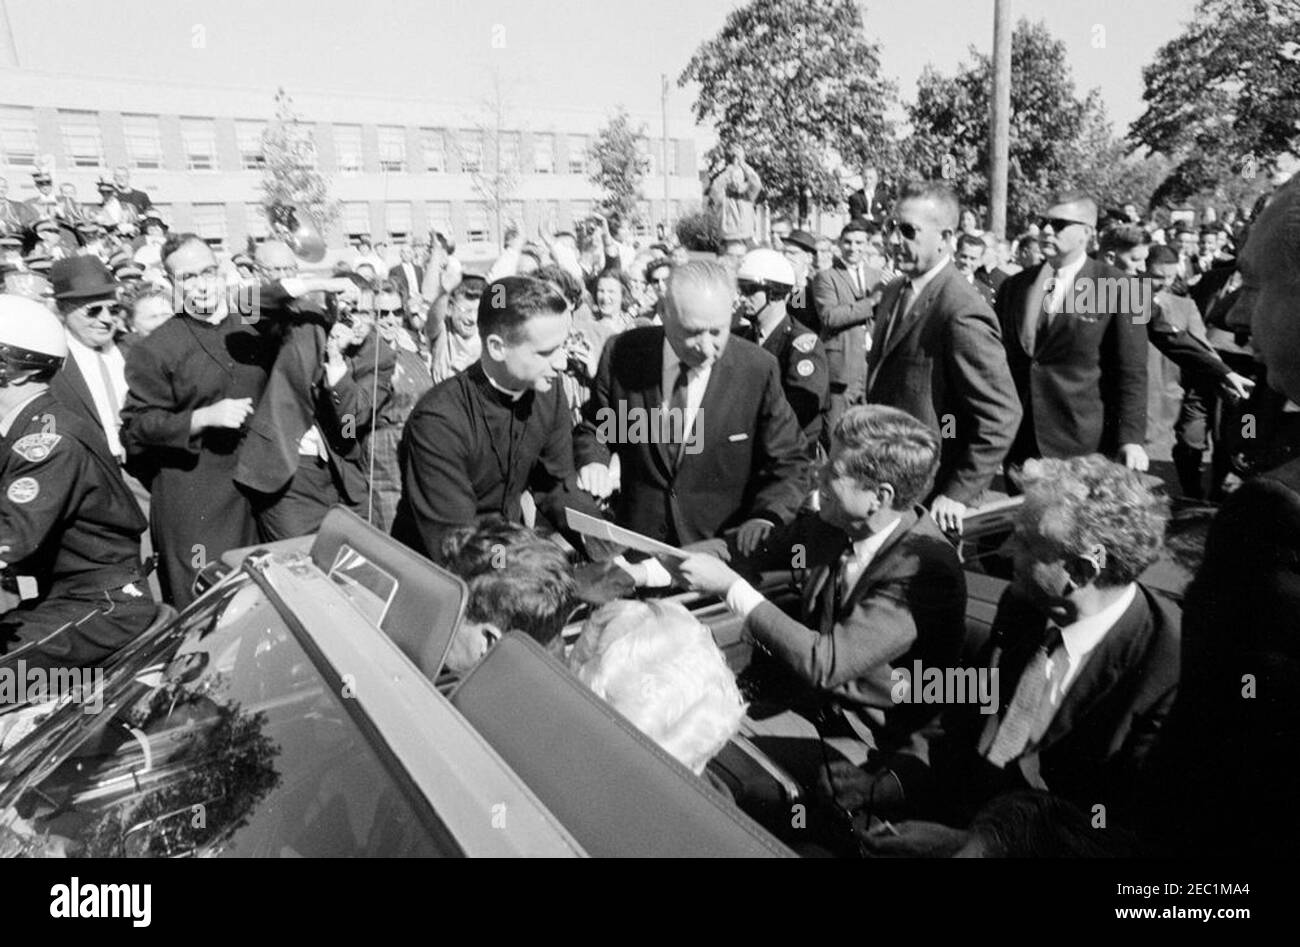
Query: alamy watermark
[21, 684]
[945, 685]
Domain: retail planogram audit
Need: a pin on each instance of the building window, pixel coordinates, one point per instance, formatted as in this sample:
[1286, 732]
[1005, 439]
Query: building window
[249, 136]
[356, 219]
[199, 136]
[577, 154]
[255, 224]
[81, 139]
[210, 223]
[392, 149]
[438, 216]
[17, 136]
[478, 225]
[434, 146]
[508, 154]
[397, 217]
[143, 141]
[543, 154]
[470, 145]
[347, 148]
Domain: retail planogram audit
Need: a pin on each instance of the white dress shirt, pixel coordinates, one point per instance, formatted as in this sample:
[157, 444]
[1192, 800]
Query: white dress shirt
[1064, 277]
[697, 379]
[88, 361]
[1078, 641]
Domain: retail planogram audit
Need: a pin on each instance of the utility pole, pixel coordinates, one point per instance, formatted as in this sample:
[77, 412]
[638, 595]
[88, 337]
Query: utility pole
[663, 103]
[8, 50]
[1000, 120]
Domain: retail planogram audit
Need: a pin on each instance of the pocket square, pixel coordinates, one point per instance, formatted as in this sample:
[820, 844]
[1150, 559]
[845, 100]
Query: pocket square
[738, 437]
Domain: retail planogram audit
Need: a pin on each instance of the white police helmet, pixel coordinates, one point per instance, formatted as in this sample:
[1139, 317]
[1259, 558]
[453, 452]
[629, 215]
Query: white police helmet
[33, 344]
[766, 266]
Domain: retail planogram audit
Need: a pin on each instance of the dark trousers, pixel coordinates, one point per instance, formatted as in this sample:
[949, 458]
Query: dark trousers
[76, 629]
[842, 398]
[299, 508]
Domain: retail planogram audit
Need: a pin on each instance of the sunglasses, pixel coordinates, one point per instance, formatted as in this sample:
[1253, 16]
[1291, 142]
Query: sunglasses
[1058, 223]
[388, 312]
[99, 309]
[908, 231]
[749, 289]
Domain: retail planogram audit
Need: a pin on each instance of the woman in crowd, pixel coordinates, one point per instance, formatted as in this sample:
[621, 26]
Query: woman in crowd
[411, 379]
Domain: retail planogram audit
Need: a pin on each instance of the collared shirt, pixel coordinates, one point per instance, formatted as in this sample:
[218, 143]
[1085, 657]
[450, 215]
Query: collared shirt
[108, 404]
[1065, 278]
[919, 283]
[864, 550]
[1078, 641]
[697, 379]
[768, 320]
[8, 420]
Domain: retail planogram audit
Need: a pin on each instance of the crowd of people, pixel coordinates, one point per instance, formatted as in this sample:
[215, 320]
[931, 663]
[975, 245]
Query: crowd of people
[831, 410]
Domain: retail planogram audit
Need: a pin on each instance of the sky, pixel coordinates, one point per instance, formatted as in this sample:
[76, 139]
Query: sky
[581, 54]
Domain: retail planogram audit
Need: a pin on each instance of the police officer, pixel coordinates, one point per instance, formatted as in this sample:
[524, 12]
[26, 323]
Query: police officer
[69, 527]
[766, 279]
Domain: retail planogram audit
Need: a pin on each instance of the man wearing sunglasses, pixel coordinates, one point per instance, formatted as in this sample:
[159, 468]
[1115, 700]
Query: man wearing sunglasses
[937, 355]
[1078, 358]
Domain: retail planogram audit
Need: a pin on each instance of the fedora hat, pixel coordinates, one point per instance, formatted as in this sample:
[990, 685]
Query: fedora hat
[81, 277]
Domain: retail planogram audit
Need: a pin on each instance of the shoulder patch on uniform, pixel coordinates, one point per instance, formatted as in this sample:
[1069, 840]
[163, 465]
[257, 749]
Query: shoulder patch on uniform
[23, 490]
[804, 343]
[805, 368]
[34, 448]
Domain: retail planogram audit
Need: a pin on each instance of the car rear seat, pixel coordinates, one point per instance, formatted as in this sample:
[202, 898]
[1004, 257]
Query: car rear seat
[611, 786]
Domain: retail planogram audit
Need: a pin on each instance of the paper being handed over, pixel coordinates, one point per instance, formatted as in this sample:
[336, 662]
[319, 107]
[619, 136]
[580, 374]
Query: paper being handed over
[603, 529]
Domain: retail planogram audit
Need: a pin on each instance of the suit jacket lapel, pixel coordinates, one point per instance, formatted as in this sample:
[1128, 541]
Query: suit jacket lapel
[920, 306]
[77, 382]
[1100, 671]
[869, 574]
[653, 394]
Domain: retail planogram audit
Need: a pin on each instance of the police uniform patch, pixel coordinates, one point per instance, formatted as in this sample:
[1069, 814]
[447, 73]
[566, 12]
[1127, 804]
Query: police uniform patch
[36, 447]
[804, 343]
[805, 368]
[23, 490]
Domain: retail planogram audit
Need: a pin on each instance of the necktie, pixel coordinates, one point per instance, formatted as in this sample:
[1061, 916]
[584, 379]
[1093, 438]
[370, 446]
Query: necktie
[114, 405]
[900, 311]
[1033, 688]
[678, 404]
[856, 274]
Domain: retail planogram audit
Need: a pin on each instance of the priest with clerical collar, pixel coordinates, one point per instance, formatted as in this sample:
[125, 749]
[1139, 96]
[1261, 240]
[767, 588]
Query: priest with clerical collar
[478, 440]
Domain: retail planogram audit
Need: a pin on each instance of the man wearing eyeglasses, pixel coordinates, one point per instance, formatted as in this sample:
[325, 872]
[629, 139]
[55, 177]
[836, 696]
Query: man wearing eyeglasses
[1077, 351]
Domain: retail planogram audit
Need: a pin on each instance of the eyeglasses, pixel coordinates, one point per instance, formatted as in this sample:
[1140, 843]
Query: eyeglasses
[95, 310]
[749, 289]
[908, 231]
[1058, 223]
[388, 312]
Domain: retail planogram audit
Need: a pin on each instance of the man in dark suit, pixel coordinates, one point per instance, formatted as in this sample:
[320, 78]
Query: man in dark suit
[408, 276]
[844, 302]
[937, 354]
[882, 589]
[129, 195]
[705, 437]
[1086, 657]
[970, 251]
[1075, 334]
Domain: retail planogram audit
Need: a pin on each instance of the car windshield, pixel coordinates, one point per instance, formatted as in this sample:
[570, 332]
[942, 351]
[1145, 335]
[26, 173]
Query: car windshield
[217, 736]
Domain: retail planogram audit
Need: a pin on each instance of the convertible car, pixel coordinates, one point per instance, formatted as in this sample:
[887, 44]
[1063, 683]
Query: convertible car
[293, 710]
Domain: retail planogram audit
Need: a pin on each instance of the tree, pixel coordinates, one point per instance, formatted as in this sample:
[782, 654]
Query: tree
[289, 170]
[495, 175]
[1058, 141]
[1223, 98]
[798, 85]
[618, 166]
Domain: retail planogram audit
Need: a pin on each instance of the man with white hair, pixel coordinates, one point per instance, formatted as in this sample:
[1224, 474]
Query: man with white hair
[659, 667]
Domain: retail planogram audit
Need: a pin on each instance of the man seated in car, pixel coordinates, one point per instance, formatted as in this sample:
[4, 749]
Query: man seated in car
[518, 581]
[882, 589]
[659, 667]
[1087, 658]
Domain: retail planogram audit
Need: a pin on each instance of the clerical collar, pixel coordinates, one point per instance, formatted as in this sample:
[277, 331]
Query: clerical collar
[512, 395]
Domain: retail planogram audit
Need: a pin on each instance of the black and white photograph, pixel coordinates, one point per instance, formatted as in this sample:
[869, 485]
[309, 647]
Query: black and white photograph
[732, 429]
